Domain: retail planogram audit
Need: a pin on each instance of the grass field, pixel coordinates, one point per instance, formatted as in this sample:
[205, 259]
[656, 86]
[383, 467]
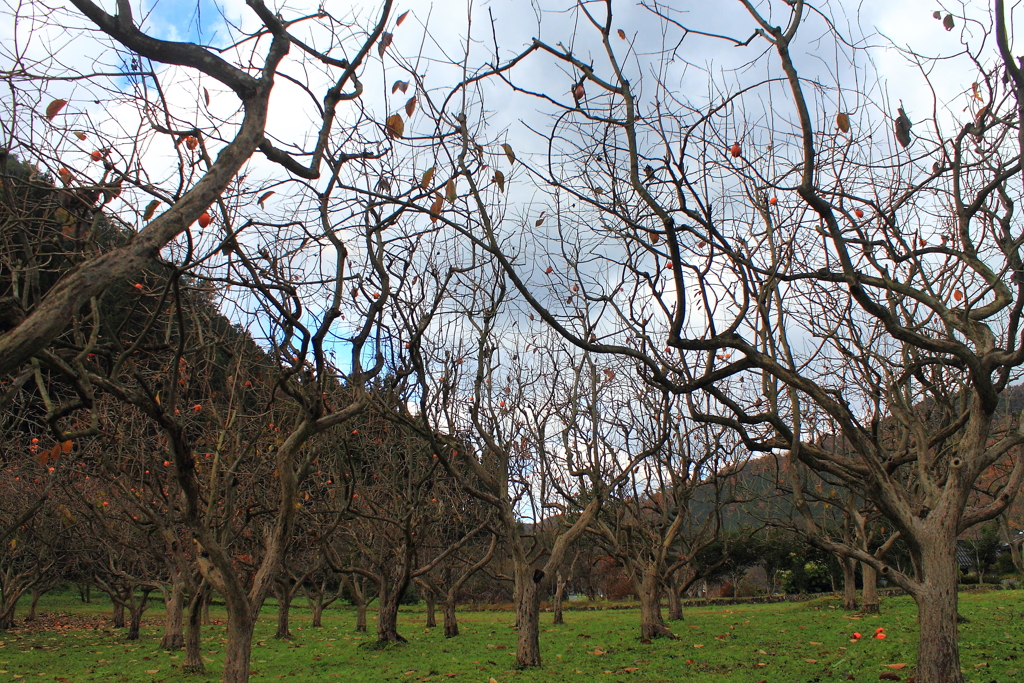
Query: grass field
[778, 643]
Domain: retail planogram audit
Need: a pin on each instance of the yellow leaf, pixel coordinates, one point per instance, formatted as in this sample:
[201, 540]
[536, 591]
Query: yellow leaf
[53, 108]
[509, 153]
[428, 175]
[150, 209]
[450, 191]
[80, 135]
[395, 126]
[843, 122]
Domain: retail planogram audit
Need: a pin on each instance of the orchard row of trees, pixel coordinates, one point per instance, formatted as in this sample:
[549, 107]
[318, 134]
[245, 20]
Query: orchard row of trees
[587, 322]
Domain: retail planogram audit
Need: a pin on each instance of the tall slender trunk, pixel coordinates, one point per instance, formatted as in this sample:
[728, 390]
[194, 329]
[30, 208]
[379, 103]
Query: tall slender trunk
[648, 588]
[284, 605]
[869, 599]
[938, 650]
[528, 594]
[193, 632]
[849, 583]
[135, 614]
[557, 602]
[174, 601]
[451, 624]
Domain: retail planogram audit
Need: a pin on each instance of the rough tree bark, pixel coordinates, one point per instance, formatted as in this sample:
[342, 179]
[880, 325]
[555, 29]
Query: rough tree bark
[193, 632]
[174, 602]
[528, 586]
[387, 615]
[649, 590]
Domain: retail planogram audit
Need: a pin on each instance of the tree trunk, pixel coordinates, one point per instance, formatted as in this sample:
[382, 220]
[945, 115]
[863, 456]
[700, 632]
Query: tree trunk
[118, 614]
[387, 616]
[284, 605]
[193, 633]
[174, 601]
[37, 593]
[317, 608]
[239, 646]
[431, 599]
[869, 599]
[938, 650]
[451, 624]
[528, 593]
[1013, 542]
[559, 593]
[849, 583]
[675, 603]
[137, 608]
[207, 599]
[361, 617]
[651, 623]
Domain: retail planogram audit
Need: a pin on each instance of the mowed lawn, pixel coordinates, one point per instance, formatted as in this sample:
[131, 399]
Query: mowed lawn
[778, 643]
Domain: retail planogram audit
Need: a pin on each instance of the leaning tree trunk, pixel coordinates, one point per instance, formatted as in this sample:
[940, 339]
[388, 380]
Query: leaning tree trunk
[528, 594]
[135, 614]
[849, 583]
[387, 616]
[174, 601]
[557, 602]
[284, 605]
[193, 633]
[651, 623]
[938, 650]
[451, 623]
[869, 599]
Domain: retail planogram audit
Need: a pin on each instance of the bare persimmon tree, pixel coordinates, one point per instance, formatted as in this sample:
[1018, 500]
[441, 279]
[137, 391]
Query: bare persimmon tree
[809, 255]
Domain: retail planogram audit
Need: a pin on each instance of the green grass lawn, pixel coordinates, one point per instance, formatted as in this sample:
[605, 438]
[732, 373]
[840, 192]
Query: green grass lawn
[779, 643]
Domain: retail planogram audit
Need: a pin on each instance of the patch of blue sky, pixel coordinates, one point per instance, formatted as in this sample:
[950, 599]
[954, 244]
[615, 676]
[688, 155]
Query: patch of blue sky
[197, 21]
